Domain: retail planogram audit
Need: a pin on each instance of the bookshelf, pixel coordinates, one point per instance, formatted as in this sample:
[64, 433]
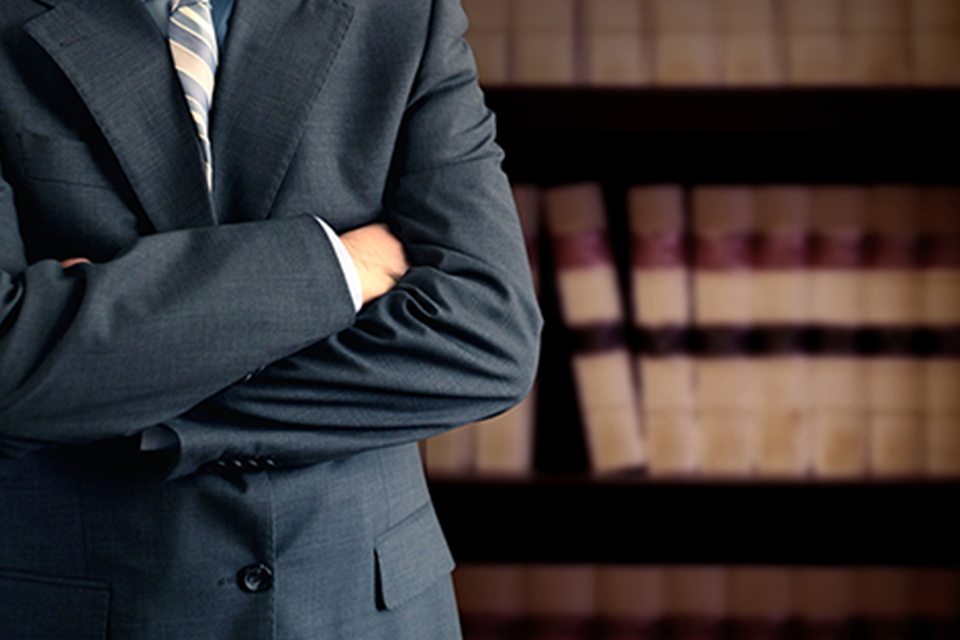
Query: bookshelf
[727, 135]
[624, 137]
[569, 520]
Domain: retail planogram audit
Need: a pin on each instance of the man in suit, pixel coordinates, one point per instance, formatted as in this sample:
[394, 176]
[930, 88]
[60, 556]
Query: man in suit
[201, 436]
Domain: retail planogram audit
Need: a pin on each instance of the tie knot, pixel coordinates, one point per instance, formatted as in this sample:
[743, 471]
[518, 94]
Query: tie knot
[176, 4]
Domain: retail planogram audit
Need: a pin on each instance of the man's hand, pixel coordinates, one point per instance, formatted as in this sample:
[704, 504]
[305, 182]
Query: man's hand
[378, 256]
[66, 264]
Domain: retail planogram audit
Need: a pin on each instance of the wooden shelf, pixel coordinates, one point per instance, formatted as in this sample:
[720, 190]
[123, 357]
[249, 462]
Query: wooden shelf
[717, 110]
[698, 522]
[634, 136]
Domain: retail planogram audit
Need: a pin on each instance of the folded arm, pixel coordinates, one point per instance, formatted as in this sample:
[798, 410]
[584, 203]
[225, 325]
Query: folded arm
[103, 350]
[456, 340]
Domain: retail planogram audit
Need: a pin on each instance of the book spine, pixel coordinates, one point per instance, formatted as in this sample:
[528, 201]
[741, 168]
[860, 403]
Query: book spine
[661, 319]
[892, 315]
[705, 602]
[543, 42]
[616, 43]
[488, 36]
[876, 50]
[937, 602]
[759, 602]
[687, 43]
[837, 372]
[823, 601]
[450, 453]
[814, 41]
[694, 601]
[940, 293]
[723, 311]
[883, 602]
[490, 598]
[750, 44]
[629, 601]
[592, 310]
[560, 601]
[935, 32]
[781, 299]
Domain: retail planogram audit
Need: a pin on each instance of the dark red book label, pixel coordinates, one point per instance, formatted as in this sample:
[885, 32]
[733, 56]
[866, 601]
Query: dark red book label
[582, 250]
[661, 251]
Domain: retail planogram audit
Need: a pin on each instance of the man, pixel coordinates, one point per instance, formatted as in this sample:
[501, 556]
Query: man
[200, 435]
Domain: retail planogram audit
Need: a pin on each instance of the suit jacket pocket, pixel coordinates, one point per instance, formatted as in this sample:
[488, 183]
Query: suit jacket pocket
[41, 608]
[410, 556]
[61, 160]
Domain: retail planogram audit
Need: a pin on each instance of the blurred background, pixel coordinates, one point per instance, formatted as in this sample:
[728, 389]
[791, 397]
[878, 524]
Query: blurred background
[743, 217]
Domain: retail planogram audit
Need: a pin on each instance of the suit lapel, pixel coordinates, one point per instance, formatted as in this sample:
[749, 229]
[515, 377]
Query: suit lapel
[117, 60]
[274, 63]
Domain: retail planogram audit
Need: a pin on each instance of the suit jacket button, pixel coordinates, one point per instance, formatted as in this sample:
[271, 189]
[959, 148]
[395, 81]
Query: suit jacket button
[255, 578]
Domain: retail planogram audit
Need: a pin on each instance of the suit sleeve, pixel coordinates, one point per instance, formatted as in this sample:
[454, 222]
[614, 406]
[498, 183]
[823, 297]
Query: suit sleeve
[457, 340]
[103, 350]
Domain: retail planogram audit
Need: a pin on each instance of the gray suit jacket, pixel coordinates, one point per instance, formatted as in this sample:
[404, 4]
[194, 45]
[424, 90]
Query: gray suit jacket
[293, 504]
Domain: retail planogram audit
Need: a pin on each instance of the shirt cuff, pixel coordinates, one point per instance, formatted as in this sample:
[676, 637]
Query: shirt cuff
[346, 265]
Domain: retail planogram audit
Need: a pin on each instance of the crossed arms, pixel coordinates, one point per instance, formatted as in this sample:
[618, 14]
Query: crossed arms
[162, 333]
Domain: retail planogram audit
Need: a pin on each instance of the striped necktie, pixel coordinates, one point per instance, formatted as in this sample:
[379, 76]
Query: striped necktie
[193, 43]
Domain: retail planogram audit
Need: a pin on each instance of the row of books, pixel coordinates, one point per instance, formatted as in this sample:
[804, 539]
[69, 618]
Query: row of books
[773, 330]
[620, 602]
[715, 42]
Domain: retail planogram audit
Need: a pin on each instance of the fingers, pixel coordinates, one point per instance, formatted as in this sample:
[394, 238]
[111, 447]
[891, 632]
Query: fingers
[66, 264]
[378, 256]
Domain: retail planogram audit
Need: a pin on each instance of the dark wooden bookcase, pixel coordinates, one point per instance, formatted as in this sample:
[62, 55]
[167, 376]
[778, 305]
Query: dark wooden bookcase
[700, 136]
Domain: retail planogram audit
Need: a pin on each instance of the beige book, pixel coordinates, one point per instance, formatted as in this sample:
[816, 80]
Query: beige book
[750, 43]
[759, 600]
[669, 414]
[884, 600]
[934, 15]
[629, 598]
[450, 453]
[752, 58]
[838, 391]
[684, 15]
[694, 600]
[940, 294]
[490, 49]
[781, 282]
[824, 600]
[488, 36]
[504, 444]
[936, 58]
[814, 45]
[877, 15]
[661, 309]
[618, 59]
[723, 303]
[942, 419]
[892, 287]
[935, 42]
[686, 43]
[560, 599]
[543, 43]
[616, 42]
[490, 598]
[877, 47]
[937, 600]
[877, 58]
[812, 15]
[591, 308]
